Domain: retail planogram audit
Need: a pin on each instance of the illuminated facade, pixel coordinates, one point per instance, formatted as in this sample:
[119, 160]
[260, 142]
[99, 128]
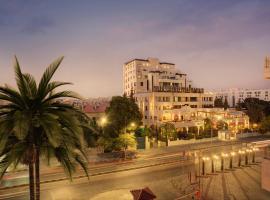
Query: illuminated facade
[159, 88]
[267, 67]
[235, 95]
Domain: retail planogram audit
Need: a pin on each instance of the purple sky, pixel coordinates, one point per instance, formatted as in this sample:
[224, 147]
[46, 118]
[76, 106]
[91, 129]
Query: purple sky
[219, 43]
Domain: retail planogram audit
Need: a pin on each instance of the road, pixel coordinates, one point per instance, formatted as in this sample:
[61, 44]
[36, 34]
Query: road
[157, 169]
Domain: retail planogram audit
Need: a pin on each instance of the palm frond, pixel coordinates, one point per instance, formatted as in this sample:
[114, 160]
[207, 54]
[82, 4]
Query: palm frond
[64, 158]
[10, 95]
[60, 95]
[83, 163]
[53, 85]
[31, 84]
[21, 125]
[19, 78]
[47, 76]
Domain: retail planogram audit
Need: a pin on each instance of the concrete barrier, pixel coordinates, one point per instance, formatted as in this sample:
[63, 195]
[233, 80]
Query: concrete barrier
[191, 141]
[246, 135]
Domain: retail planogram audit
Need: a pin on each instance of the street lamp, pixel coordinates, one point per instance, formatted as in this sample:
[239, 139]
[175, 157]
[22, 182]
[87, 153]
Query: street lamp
[103, 121]
[132, 124]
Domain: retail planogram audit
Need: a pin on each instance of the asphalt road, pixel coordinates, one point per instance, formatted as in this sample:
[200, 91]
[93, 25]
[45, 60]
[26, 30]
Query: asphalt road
[156, 169]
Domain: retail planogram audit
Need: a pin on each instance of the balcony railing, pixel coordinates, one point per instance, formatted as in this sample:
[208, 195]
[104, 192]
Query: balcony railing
[177, 89]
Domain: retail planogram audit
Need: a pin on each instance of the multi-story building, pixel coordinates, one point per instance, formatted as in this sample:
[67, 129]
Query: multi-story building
[235, 95]
[267, 67]
[159, 88]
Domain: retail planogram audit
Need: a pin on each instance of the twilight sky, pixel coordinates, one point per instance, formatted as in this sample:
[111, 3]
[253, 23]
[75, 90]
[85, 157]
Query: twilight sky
[218, 43]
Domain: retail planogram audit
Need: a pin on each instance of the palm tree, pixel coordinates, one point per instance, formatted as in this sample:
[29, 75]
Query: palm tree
[35, 122]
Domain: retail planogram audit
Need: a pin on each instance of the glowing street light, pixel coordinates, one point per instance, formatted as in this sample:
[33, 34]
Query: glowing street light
[132, 124]
[219, 117]
[103, 121]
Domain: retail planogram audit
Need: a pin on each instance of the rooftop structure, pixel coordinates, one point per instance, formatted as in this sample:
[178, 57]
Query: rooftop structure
[143, 194]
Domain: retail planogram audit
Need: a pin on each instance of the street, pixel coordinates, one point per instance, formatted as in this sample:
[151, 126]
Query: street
[165, 173]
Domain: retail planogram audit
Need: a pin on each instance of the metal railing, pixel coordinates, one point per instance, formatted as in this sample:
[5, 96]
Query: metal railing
[177, 89]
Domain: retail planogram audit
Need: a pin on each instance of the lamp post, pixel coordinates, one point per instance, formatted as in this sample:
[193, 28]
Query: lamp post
[231, 159]
[254, 154]
[239, 158]
[203, 164]
[222, 163]
[246, 157]
[223, 155]
[215, 157]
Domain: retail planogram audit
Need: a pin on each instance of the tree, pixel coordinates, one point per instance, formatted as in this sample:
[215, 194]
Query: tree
[255, 108]
[222, 125]
[265, 125]
[218, 103]
[207, 124]
[121, 112]
[91, 132]
[126, 140]
[34, 122]
[168, 131]
[105, 143]
[226, 105]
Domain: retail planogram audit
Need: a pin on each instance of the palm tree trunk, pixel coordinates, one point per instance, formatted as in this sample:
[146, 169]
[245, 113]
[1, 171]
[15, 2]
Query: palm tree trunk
[31, 181]
[37, 174]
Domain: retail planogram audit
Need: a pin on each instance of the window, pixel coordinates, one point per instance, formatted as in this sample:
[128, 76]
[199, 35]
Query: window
[145, 117]
[141, 83]
[145, 108]
[193, 99]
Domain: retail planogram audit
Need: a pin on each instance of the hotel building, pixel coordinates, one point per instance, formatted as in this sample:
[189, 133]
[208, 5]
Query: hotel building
[164, 93]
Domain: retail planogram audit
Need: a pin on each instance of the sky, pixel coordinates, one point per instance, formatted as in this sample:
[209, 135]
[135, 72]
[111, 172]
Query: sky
[218, 43]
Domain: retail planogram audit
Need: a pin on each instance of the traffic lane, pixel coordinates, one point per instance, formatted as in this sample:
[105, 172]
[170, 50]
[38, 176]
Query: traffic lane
[127, 166]
[23, 177]
[84, 189]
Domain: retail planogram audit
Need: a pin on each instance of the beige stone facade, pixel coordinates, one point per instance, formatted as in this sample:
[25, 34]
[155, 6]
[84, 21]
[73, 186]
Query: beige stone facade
[159, 88]
[267, 67]
[165, 94]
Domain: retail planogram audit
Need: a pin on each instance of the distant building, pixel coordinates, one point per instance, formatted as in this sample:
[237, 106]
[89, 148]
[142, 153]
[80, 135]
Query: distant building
[95, 110]
[93, 107]
[267, 67]
[234, 95]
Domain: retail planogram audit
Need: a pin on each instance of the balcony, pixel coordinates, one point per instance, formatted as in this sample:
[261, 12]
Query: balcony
[177, 89]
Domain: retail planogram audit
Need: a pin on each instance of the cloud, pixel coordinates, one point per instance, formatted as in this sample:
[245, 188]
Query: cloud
[37, 25]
